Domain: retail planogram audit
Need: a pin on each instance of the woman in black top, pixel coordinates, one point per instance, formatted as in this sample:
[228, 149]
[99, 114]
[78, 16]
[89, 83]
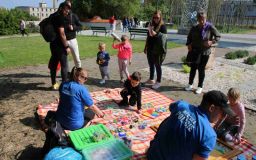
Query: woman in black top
[156, 48]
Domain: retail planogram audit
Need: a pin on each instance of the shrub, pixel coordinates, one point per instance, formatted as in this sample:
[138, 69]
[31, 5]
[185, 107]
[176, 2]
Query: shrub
[183, 59]
[186, 68]
[237, 54]
[231, 55]
[250, 60]
[242, 53]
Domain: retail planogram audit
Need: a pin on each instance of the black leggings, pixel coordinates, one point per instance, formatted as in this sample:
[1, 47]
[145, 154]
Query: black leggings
[201, 70]
[155, 63]
[59, 54]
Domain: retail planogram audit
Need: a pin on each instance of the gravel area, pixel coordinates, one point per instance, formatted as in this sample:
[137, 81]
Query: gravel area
[224, 75]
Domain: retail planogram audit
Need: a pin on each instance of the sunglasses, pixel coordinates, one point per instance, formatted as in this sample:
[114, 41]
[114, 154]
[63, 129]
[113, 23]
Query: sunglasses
[85, 78]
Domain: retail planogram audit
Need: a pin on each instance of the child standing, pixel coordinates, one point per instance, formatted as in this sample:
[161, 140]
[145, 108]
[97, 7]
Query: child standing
[124, 56]
[102, 61]
[232, 128]
[132, 87]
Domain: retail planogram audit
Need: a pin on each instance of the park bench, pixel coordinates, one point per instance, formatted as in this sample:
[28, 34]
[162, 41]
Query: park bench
[137, 31]
[99, 29]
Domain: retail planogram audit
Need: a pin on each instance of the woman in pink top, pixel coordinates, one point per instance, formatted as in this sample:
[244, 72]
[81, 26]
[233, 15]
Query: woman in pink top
[232, 128]
[124, 56]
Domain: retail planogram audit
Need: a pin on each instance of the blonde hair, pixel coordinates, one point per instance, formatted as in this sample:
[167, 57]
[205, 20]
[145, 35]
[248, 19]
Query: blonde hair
[76, 72]
[234, 93]
[102, 44]
[161, 22]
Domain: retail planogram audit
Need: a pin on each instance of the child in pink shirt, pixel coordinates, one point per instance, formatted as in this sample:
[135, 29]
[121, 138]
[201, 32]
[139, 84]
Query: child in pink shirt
[232, 128]
[124, 56]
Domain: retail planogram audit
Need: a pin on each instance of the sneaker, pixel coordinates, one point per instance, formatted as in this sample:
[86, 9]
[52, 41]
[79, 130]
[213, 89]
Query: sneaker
[122, 103]
[199, 90]
[156, 85]
[149, 81]
[189, 87]
[56, 86]
[102, 81]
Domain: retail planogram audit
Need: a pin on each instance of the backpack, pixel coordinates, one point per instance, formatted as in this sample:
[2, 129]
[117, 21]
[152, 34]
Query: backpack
[47, 29]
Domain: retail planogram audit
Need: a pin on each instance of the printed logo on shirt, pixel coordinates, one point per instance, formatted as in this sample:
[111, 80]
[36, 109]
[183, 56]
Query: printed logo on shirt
[185, 118]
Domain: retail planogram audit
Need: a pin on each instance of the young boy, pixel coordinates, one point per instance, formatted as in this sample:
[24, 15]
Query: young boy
[233, 127]
[124, 56]
[102, 61]
[132, 87]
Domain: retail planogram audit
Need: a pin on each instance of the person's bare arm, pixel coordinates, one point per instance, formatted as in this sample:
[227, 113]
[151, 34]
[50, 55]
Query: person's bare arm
[97, 111]
[197, 157]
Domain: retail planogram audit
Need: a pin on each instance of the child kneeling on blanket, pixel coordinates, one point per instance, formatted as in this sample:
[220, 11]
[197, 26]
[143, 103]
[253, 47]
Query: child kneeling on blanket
[231, 130]
[132, 88]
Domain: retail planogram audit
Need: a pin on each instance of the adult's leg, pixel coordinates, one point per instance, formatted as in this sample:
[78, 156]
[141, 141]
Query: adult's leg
[53, 63]
[158, 64]
[64, 67]
[151, 66]
[192, 73]
[75, 52]
[88, 115]
[201, 70]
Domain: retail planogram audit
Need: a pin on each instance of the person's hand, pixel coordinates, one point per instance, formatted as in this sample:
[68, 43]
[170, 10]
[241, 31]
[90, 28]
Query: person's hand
[235, 120]
[189, 47]
[208, 43]
[145, 50]
[237, 139]
[70, 27]
[68, 50]
[100, 114]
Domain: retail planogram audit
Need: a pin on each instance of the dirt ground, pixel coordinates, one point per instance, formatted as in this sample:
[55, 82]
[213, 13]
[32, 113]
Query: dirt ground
[22, 89]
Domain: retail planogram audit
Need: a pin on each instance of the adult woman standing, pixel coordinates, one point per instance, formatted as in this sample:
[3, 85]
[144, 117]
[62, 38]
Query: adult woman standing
[156, 48]
[74, 96]
[200, 39]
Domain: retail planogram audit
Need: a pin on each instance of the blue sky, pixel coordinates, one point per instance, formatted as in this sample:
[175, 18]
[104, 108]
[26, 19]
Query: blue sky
[35, 3]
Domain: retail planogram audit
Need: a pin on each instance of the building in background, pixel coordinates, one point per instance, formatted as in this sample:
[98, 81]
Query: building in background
[41, 12]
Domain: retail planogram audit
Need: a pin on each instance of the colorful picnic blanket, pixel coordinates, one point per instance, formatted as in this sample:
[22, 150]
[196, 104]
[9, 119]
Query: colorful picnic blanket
[124, 118]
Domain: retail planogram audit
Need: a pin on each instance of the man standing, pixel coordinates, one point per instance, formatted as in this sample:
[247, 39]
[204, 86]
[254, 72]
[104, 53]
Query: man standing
[72, 25]
[59, 47]
[187, 133]
[23, 28]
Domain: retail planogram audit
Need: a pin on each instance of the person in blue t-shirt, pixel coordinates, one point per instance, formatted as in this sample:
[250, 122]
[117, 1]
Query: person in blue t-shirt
[187, 133]
[74, 96]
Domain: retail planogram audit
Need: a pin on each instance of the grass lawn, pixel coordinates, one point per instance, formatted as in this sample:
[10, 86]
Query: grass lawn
[24, 51]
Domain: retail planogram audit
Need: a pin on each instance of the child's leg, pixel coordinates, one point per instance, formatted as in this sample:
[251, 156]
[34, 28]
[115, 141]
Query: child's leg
[133, 99]
[125, 68]
[105, 72]
[124, 94]
[120, 64]
[102, 72]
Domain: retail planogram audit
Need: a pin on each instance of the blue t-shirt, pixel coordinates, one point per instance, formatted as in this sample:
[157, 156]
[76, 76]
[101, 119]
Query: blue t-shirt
[187, 131]
[73, 98]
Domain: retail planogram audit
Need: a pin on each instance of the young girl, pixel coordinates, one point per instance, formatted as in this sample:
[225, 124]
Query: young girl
[232, 128]
[124, 56]
[132, 87]
[102, 61]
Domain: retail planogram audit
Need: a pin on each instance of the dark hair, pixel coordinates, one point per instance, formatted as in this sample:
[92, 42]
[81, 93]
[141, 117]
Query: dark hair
[200, 14]
[75, 72]
[136, 76]
[64, 4]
